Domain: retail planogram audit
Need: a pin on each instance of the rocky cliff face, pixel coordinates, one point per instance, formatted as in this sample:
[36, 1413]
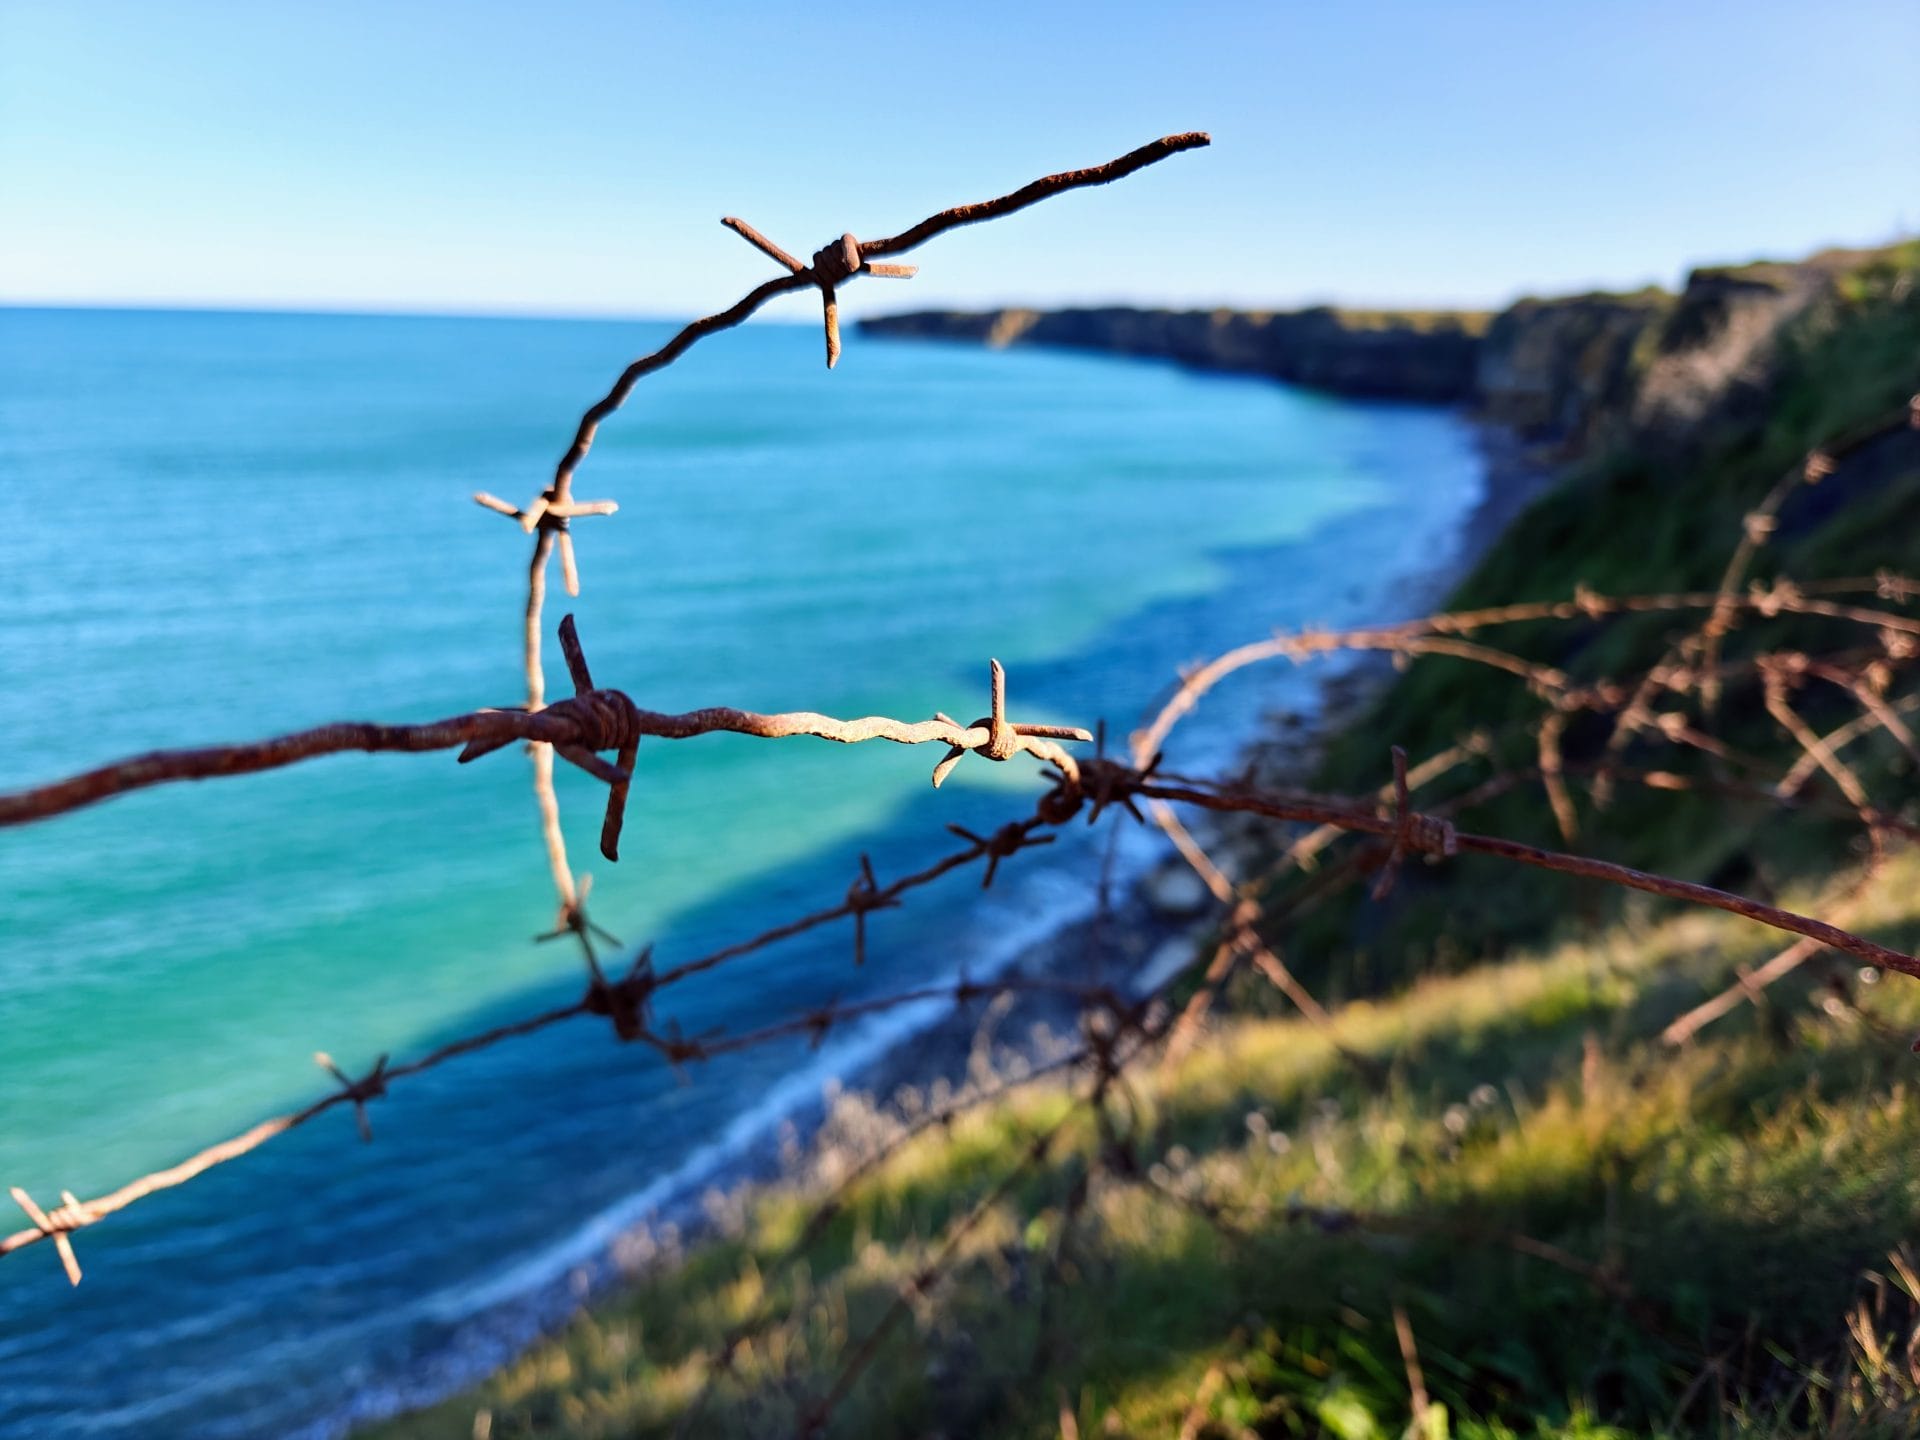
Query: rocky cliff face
[1712, 360]
[1562, 371]
[1668, 372]
[1407, 356]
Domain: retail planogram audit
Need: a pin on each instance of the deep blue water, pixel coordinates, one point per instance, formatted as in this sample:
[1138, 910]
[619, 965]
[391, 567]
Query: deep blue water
[228, 525]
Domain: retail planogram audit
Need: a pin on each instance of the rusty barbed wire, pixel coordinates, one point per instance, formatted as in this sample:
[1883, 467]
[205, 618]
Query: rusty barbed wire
[1410, 830]
[1109, 782]
[1101, 782]
[578, 728]
[837, 262]
[1431, 835]
[813, 1415]
[549, 514]
[1414, 637]
[625, 1003]
[1117, 1027]
[1759, 524]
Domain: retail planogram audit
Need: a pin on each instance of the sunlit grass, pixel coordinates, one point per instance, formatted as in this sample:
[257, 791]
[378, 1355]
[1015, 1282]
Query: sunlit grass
[1739, 1189]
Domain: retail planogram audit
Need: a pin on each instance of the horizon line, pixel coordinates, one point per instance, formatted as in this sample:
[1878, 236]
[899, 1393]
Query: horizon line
[400, 310]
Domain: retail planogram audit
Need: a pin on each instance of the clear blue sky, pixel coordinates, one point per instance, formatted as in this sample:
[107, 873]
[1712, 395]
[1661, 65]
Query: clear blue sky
[576, 157]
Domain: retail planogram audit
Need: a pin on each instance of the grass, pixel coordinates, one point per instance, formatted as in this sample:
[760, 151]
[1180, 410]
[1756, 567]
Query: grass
[1739, 1189]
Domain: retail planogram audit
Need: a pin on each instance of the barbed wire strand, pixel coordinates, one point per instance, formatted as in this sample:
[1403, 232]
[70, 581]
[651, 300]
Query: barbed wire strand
[589, 722]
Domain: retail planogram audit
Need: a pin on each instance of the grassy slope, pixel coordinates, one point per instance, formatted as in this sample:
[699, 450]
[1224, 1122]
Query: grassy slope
[1741, 1189]
[1745, 1182]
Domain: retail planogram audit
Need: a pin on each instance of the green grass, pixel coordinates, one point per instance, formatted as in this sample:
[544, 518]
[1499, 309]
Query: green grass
[1740, 1188]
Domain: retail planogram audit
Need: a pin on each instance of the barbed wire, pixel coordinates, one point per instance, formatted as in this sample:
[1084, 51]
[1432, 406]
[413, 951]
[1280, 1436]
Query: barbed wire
[1111, 782]
[1120, 1026]
[578, 729]
[1091, 784]
[1606, 1278]
[549, 515]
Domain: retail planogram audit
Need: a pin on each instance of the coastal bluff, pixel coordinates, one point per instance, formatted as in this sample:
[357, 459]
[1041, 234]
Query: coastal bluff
[1391, 356]
[1579, 373]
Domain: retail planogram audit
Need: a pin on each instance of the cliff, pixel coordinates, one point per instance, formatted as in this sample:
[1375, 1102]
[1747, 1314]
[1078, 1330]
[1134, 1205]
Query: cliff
[1413, 355]
[1581, 374]
[1561, 370]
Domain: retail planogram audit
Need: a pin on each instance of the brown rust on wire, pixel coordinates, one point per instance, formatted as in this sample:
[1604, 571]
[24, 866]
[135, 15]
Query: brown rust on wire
[1412, 831]
[1412, 637]
[833, 264]
[588, 722]
[799, 277]
[1430, 838]
[1753, 982]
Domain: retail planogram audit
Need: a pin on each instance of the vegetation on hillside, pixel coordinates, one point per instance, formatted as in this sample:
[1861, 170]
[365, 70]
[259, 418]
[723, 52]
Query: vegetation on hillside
[1628, 522]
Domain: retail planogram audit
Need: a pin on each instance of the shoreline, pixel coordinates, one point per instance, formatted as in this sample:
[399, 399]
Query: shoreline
[1158, 916]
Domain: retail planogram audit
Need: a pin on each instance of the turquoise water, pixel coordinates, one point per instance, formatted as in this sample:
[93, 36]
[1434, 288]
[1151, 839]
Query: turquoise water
[228, 525]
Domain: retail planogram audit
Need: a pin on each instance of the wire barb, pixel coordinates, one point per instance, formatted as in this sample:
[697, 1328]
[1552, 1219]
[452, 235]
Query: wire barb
[371, 1086]
[1003, 740]
[1010, 839]
[72, 1215]
[833, 265]
[572, 919]
[550, 514]
[627, 1002]
[1412, 831]
[864, 896]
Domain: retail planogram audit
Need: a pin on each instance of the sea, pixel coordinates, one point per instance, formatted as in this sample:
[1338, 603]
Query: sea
[226, 525]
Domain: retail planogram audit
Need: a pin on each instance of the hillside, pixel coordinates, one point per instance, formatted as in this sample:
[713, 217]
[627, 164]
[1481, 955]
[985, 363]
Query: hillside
[1487, 1197]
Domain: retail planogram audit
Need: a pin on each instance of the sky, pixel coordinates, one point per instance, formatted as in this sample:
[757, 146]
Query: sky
[575, 158]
